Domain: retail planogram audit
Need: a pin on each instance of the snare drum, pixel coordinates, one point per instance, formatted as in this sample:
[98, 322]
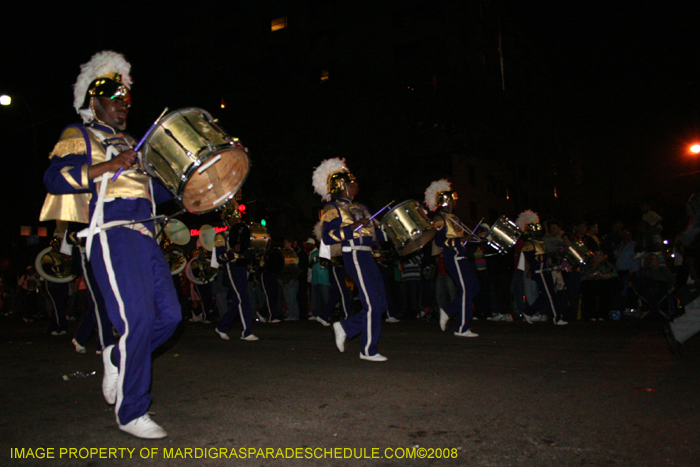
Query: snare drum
[281, 262]
[195, 159]
[577, 254]
[408, 227]
[503, 235]
[259, 239]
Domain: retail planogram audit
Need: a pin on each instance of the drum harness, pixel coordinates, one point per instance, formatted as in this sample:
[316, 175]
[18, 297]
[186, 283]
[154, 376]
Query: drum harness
[97, 224]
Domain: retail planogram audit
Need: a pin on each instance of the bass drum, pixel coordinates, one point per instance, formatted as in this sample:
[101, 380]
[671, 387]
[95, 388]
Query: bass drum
[195, 159]
[408, 227]
[281, 262]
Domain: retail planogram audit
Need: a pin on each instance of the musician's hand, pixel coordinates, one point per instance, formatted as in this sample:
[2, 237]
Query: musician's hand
[123, 160]
[364, 222]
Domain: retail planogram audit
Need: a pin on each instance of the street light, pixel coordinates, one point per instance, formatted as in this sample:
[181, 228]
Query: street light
[5, 100]
[695, 148]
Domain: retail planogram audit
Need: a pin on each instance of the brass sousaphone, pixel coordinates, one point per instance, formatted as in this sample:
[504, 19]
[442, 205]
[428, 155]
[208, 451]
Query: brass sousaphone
[199, 270]
[53, 265]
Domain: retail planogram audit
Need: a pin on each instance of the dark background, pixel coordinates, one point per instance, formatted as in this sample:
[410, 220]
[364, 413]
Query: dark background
[599, 99]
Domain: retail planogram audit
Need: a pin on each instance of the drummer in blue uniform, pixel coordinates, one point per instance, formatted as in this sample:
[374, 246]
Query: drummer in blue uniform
[450, 237]
[128, 264]
[346, 223]
[230, 248]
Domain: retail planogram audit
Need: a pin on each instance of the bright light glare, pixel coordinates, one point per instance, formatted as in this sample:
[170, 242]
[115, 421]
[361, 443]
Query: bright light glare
[695, 148]
[5, 100]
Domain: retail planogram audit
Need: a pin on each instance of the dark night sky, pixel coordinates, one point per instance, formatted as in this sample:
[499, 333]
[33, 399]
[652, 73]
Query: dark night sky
[622, 81]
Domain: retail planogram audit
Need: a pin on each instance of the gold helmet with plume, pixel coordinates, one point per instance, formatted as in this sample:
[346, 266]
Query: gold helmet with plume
[105, 75]
[330, 177]
[438, 194]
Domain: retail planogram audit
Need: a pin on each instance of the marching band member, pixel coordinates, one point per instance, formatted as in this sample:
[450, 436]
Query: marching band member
[449, 237]
[535, 253]
[346, 223]
[128, 264]
[230, 247]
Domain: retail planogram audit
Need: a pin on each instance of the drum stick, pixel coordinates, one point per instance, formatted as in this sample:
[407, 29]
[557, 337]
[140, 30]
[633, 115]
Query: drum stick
[143, 140]
[376, 214]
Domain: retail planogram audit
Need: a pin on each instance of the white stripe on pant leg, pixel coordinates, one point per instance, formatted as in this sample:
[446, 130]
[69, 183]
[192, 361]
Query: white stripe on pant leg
[122, 312]
[240, 303]
[53, 303]
[362, 287]
[464, 295]
[340, 289]
[267, 299]
[549, 296]
[94, 301]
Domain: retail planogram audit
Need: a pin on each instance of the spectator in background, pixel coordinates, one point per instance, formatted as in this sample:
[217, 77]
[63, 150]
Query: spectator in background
[553, 237]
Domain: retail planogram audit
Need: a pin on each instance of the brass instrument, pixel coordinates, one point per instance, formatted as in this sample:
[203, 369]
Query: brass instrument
[199, 270]
[177, 234]
[53, 265]
[175, 256]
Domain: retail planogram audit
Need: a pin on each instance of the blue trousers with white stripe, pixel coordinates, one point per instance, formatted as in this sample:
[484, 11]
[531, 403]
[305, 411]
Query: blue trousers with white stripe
[339, 292]
[142, 305]
[467, 285]
[361, 266]
[240, 301]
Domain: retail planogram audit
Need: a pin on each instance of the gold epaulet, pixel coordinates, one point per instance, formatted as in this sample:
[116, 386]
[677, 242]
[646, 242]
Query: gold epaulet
[71, 142]
[330, 212]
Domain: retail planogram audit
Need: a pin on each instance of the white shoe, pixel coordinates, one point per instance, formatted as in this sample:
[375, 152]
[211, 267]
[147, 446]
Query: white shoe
[78, 348]
[373, 358]
[507, 317]
[339, 336]
[144, 427]
[222, 335]
[322, 321]
[561, 322]
[249, 337]
[261, 318]
[443, 319]
[275, 321]
[111, 376]
[312, 318]
[467, 333]
[528, 318]
[391, 319]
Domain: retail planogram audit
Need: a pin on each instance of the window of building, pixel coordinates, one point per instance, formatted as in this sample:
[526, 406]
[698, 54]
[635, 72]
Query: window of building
[324, 76]
[279, 23]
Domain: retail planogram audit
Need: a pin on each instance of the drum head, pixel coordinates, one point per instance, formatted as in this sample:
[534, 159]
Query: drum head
[216, 180]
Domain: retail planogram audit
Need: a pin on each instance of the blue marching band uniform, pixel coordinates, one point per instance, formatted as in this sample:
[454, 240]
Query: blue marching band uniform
[360, 266]
[345, 224]
[234, 269]
[128, 265]
[449, 237]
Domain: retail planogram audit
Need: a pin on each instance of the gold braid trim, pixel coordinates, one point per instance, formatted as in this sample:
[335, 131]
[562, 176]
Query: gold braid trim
[69, 146]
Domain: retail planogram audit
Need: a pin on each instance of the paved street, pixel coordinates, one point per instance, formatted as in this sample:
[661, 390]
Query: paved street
[588, 394]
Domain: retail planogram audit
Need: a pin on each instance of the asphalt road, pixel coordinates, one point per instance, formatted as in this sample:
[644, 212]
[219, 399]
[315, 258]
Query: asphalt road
[587, 394]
